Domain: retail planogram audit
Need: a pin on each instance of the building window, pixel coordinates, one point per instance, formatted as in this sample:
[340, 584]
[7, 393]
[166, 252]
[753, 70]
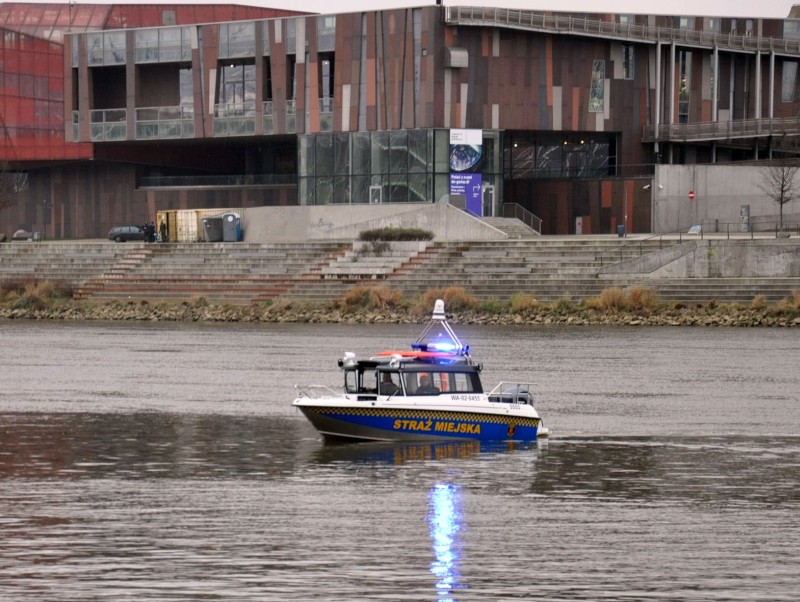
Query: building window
[291, 79]
[325, 83]
[788, 81]
[163, 45]
[597, 87]
[685, 65]
[291, 36]
[791, 29]
[106, 48]
[237, 84]
[627, 61]
[237, 39]
[326, 33]
[168, 17]
[186, 85]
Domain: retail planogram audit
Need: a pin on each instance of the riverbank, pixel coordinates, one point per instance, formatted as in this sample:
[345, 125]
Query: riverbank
[565, 313]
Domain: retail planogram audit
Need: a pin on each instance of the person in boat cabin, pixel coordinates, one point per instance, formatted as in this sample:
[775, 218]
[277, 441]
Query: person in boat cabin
[388, 386]
[425, 387]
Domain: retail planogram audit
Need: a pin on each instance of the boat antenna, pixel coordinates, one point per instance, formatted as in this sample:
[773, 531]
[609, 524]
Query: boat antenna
[439, 323]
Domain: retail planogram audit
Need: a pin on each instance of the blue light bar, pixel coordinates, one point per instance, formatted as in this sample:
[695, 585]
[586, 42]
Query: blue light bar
[445, 347]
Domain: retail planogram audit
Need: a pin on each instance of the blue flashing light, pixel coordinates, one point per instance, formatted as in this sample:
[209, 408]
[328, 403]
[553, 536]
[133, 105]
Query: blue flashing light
[448, 347]
[442, 347]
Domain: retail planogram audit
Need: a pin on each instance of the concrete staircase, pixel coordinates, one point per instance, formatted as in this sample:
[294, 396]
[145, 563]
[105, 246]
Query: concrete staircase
[63, 264]
[550, 268]
[512, 226]
[218, 272]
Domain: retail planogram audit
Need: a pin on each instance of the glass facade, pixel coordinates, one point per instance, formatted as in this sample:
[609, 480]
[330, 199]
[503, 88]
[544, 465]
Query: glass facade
[587, 155]
[106, 48]
[237, 40]
[384, 166]
[163, 45]
[32, 124]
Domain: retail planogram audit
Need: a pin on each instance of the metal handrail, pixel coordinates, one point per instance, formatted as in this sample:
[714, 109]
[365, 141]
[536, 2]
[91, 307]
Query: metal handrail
[767, 227]
[726, 130]
[566, 23]
[526, 217]
[753, 226]
[620, 249]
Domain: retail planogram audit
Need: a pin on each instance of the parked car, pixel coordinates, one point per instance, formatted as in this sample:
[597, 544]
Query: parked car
[126, 233]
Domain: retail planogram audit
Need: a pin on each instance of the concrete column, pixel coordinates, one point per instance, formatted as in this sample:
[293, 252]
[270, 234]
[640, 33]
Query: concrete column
[758, 85]
[771, 110]
[715, 98]
[671, 84]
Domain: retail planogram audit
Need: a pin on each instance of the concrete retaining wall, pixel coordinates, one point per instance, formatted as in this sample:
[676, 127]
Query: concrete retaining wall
[712, 258]
[720, 191]
[344, 222]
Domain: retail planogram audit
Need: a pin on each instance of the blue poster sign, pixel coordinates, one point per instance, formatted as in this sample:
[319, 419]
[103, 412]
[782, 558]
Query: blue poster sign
[466, 154]
[470, 185]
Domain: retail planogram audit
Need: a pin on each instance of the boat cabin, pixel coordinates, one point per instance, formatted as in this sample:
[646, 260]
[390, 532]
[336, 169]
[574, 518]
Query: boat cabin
[369, 378]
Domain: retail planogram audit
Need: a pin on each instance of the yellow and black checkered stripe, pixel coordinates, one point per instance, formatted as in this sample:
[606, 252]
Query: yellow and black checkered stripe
[412, 414]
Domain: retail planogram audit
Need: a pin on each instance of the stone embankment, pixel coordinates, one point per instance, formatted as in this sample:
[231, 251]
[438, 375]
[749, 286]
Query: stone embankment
[708, 315]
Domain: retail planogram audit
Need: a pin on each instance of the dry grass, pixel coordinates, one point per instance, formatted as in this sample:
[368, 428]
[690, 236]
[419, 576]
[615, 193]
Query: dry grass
[611, 299]
[31, 293]
[523, 302]
[759, 302]
[563, 306]
[363, 296]
[615, 300]
[455, 298]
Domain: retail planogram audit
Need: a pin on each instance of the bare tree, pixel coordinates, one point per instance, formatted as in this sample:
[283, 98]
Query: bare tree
[8, 192]
[778, 182]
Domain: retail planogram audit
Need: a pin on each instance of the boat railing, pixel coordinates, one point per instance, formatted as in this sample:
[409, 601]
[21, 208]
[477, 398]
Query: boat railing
[507, 392]
[316, 391]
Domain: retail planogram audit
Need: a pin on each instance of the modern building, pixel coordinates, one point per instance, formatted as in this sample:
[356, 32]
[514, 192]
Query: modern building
[565, 116]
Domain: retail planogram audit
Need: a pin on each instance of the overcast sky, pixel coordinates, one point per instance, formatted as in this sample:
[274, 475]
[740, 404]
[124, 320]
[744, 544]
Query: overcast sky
[774, 9]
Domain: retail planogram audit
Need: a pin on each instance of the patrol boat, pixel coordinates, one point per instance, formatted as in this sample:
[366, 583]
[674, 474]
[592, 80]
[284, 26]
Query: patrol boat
[431, 392]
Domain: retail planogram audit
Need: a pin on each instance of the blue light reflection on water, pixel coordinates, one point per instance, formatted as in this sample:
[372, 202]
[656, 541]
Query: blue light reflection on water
[445, 518]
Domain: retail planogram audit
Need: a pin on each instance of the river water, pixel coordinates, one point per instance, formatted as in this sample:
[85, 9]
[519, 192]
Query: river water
[165, 462]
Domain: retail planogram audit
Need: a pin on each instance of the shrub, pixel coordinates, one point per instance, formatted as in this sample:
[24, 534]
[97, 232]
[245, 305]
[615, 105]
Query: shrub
[379, 247]
[759, 302]
[563, 305]
[643, 299]
[612, 299]
[523, 302]
[493, 306]
[32, 293]
[455, 298]
[363, 296]
[390, 234]
[383, 297]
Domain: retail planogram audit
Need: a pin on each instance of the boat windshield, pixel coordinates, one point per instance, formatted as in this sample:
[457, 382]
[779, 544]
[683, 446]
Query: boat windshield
[433, 382]
[365, 380]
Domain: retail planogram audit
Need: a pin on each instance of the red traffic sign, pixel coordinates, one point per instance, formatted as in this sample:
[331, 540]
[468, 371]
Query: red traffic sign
[691, 195]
